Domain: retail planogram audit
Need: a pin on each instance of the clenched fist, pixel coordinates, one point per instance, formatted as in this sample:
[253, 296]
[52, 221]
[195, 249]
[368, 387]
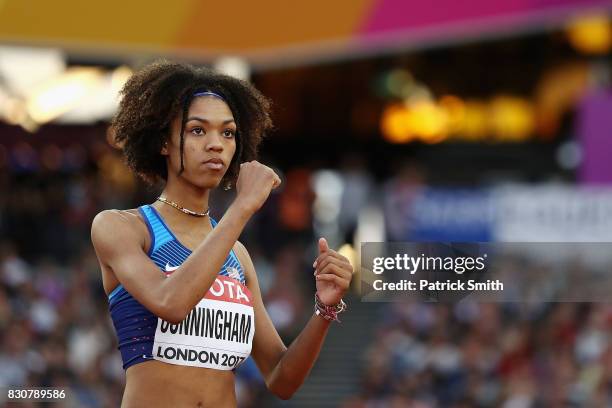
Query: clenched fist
[333, 274]
[255, 182]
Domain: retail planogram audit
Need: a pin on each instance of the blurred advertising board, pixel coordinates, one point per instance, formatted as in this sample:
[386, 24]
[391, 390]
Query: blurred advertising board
[518, 213]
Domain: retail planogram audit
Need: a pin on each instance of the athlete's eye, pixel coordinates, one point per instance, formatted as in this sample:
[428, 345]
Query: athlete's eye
[198, 131]
[229, 133]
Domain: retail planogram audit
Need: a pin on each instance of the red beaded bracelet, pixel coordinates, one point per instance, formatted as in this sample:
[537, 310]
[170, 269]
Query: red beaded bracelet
[329, 312]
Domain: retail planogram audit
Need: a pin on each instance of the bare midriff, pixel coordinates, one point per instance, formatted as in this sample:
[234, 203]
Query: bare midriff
[154, 384]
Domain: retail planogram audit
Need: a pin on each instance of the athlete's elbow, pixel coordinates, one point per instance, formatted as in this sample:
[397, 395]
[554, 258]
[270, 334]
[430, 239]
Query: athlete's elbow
[172, 312]
[285, 397]
[284, 393]
[169, 314]
[283, 389]
[172, 317]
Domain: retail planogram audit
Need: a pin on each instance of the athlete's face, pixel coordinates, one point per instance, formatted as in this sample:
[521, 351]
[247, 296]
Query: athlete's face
[210, 133]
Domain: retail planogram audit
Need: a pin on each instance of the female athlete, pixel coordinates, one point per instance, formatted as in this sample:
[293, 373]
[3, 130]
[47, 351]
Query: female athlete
[183, 292]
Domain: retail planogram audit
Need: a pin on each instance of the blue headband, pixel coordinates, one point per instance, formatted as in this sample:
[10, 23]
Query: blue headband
[209, 93]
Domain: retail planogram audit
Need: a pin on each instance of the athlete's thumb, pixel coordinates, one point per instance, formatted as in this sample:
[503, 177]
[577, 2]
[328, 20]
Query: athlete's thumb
[323, 245]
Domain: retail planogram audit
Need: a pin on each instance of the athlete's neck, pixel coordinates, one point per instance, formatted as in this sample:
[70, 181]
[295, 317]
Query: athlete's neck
[187, 196]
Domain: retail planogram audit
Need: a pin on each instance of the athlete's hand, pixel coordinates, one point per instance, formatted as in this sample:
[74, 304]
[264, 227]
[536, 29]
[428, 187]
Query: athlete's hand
[255, 182]
[333, 273]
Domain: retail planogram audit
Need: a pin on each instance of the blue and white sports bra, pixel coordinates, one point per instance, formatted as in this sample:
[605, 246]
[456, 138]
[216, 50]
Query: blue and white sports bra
[217, 333]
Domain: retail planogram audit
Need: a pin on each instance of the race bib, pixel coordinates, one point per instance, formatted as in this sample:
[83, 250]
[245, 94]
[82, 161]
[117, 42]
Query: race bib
[218, 333]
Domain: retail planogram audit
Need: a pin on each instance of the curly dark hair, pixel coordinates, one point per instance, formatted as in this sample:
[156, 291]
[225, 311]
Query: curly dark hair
[152, 98]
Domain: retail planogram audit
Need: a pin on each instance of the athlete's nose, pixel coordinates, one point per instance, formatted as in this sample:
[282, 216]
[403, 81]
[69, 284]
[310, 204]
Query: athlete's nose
[213, 143]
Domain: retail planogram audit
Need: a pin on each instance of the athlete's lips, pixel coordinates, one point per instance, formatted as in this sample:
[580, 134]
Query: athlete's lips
[214, 163]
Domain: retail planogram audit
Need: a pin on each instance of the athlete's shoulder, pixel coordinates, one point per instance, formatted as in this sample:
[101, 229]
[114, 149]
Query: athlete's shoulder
[109, 224]
[115, 218]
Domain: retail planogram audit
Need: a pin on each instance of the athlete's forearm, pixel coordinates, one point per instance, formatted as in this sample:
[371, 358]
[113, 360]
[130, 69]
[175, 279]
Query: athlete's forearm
[185, 287]
[299, 358]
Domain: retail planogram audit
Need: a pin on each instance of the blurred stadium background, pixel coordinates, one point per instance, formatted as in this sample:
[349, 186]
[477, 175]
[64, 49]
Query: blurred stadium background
[456, 121]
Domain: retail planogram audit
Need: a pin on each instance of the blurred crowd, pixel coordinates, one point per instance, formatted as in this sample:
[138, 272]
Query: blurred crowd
[510, 355]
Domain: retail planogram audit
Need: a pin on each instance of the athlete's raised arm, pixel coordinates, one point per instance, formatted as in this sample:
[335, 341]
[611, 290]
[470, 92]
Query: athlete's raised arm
[119, 244]
[285, 369]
